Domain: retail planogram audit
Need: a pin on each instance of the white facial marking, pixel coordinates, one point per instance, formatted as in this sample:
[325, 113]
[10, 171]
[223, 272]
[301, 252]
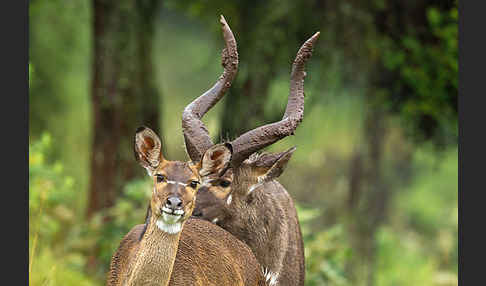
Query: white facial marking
[253, 187]
[270, 277]
[228, 200]
[175, 183]
[261, 179]
[215, 220]
[206, 182]
[179, 212]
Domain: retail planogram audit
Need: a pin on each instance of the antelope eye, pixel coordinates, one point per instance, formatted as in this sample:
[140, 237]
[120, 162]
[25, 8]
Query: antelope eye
[224, 183]
[193, 184]
[160, 178]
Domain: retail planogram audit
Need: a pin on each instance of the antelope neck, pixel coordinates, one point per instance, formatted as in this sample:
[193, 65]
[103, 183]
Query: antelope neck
[155, 257]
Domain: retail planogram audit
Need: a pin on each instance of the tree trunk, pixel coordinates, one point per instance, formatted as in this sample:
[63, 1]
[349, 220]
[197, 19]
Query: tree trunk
[368, 200]
[124, 95]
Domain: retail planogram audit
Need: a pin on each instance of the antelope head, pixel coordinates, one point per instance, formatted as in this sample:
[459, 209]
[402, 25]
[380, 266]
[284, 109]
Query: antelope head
[215, 197]
[176, 183]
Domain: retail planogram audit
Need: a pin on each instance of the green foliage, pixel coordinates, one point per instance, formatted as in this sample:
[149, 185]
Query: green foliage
[428, 206]
[59, 77]
[50, 269]
[401, 261]
[55, 244]
[59, 46]
[129, 210]
[51, 192]
[428, 73]
[325, 251]
[417, 246]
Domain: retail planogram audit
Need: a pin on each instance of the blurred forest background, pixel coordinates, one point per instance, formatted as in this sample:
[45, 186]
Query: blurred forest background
[375, 174]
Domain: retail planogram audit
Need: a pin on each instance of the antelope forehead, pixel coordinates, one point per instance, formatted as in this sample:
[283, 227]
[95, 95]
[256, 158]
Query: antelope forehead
[179, 172]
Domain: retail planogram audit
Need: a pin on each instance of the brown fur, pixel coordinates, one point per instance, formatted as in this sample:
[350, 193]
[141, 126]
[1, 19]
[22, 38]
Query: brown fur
[204, 248]
[266, 219]
[201, 253]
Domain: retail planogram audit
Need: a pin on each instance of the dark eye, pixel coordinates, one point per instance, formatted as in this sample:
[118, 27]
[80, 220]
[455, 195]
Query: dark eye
[160, 178]
[224, 183]
[193, 184]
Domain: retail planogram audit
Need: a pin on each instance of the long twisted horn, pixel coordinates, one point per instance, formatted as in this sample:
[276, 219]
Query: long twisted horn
[266, 135]
[196, 135]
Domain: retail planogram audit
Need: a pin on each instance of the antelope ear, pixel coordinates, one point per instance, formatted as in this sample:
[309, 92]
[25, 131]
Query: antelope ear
[216, 160]
[278, 165]
[147, 149]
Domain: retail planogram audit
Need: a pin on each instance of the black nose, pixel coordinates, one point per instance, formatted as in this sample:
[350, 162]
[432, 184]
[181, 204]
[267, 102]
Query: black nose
[173, 203]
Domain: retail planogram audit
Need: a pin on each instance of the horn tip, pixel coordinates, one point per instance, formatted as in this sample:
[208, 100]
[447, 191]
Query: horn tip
[314, 37]
[222, 20]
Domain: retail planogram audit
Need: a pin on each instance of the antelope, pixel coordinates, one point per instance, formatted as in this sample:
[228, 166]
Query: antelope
[247, 201]
[171, 248]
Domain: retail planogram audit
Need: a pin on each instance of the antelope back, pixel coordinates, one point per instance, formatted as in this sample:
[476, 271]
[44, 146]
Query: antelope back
[204, 248]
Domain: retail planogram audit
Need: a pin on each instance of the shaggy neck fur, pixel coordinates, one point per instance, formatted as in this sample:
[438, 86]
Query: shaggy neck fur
[250, 220]
[155, 257]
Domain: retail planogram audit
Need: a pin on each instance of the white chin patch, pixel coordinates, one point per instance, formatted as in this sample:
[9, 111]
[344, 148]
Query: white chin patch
[170, 223]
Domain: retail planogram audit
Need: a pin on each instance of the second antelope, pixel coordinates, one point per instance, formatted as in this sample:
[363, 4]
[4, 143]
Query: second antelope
[247, 201]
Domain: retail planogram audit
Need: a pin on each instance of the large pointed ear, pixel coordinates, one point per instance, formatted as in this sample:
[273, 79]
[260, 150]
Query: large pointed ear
[147, 149]
[215, 161]
[273, 165]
